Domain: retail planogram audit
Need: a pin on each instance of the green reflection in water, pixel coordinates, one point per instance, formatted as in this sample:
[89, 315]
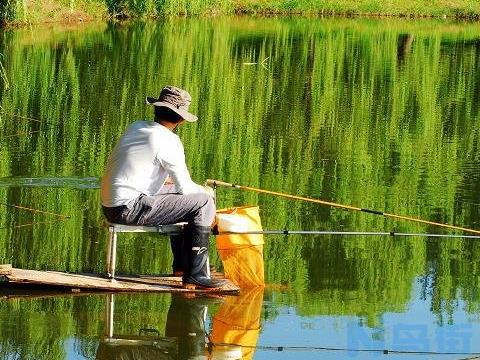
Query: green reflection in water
[129, 326]
[378, 114]
[38, 328]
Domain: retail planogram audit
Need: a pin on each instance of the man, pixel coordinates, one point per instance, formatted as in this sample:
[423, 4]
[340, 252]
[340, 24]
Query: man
[147, 182]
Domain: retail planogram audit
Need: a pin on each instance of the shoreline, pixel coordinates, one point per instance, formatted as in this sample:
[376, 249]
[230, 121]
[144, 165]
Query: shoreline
[330, 15]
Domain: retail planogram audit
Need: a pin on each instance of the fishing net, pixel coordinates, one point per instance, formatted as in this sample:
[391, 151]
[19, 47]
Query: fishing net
[241, 254]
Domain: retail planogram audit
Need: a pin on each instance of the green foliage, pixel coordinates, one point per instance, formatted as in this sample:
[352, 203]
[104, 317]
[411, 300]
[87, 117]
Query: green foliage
[461, 9]
[194, 7]
[127, 8]
[115, 7]
[42, 325]
[8, 10]
[135, 8]
[138, 7]
[13, 10]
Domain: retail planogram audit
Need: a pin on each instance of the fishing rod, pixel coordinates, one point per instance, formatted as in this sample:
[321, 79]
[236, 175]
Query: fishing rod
[211, 345]
[215, 183]
[341, 233]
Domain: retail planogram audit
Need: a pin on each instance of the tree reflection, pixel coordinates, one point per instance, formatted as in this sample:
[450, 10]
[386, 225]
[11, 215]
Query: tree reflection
[234, 333]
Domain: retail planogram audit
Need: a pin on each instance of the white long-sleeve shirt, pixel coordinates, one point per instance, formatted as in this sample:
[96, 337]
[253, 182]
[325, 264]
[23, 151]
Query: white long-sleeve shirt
[146, 154]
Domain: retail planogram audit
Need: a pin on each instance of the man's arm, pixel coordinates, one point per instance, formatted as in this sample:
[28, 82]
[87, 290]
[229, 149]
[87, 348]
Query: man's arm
[173, 161]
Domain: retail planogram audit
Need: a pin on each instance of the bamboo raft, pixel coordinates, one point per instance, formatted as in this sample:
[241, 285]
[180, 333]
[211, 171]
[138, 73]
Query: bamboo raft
[11, 277]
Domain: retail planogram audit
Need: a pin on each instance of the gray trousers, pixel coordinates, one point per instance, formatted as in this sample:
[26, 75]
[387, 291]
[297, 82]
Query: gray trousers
[167, 207]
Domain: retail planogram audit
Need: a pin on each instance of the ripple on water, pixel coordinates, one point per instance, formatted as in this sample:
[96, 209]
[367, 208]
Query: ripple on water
[69, 182]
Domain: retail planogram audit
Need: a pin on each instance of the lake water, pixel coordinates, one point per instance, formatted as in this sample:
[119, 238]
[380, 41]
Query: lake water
[380, 114]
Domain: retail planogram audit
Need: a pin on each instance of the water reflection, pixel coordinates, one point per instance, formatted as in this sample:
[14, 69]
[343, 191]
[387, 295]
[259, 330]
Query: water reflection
[81, 183]
[404, 47]
[238, 322]
[233, 335]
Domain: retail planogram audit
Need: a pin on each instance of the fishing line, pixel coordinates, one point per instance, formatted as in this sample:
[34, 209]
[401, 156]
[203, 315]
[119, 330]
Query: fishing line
[27, 118]
[340, 206]
[35, 211]
[37, 223]
[20, 116]
[32, 224]
[21, 134]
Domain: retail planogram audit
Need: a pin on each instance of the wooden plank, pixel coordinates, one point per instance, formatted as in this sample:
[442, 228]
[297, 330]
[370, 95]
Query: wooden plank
[5, 269]
[153, 280]
[131, 283]
[173, 281]
[164, 343]
[15, 291]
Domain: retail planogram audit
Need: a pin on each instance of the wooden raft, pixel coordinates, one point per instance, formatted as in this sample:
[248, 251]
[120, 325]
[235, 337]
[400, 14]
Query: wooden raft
[95, 282]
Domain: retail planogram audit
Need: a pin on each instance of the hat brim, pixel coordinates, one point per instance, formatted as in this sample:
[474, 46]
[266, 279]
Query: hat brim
[184, 114]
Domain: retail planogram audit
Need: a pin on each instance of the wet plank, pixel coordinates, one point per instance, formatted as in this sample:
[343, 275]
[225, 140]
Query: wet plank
[122, 283]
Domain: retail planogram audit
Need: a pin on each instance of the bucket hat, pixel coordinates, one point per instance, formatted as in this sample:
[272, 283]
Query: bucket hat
[175, 99]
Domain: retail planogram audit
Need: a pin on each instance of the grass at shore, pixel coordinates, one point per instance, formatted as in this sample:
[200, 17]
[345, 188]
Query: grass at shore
[67, 11]
[64, 11]
[409, 8]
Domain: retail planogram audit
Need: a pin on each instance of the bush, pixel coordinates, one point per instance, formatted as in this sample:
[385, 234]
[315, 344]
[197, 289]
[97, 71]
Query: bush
[138, 7]
[8, 10]
[126, 8]
[116, 8]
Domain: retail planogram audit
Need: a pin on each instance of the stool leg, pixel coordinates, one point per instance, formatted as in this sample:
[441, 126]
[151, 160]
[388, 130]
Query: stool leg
[111, 252]
[208, 267]
[109, 316]
[114, 255]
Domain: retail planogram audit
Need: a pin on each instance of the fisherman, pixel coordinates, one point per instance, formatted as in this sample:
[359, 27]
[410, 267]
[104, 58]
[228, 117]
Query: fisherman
[146, 182]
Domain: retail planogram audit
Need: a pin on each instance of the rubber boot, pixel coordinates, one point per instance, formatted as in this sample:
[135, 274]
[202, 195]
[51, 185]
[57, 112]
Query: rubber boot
[197, 272]
[177, 245]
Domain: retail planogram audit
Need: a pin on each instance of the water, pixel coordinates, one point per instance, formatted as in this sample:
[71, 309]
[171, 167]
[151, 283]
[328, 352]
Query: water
[382, 114]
